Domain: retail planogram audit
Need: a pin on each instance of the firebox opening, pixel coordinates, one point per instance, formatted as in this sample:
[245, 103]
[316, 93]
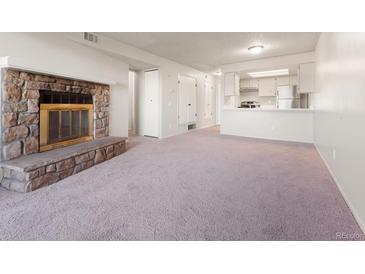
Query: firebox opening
[65, 119]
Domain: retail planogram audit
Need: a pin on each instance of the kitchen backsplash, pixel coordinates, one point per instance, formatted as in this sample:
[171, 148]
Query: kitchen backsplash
[254, 96]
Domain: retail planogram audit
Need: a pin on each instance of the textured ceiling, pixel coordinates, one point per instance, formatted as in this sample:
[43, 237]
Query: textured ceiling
[208, 51]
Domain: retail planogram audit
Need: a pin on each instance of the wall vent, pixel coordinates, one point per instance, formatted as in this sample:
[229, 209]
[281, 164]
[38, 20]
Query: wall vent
[90, 37]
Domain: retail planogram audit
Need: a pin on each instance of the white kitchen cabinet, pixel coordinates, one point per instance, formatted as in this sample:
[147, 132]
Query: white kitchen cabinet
[245, 84]
[306, 78]
[267, 87]
[249, 84]
[282, 81]
[293, 80]
[254, 83]
[231, 84]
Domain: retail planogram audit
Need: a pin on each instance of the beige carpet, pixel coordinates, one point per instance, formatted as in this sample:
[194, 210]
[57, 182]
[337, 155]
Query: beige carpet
[196, 186]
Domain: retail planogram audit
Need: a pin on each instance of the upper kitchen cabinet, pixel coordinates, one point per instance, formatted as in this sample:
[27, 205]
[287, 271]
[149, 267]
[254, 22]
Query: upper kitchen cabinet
[249, 84]
[254, 84]
[282, 81]
[231, 84]
[293, 80]
[245, 84]
[306, 78]
[267, 87]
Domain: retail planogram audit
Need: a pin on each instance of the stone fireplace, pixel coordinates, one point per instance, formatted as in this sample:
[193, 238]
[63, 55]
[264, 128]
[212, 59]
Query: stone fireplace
[42, 113]
[23, 95]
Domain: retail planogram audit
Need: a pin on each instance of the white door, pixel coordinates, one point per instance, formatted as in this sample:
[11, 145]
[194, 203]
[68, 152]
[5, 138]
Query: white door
[131, 95]
[192, 101]
[151, 103]
[183, 101]
[187, 100]
[208, 101]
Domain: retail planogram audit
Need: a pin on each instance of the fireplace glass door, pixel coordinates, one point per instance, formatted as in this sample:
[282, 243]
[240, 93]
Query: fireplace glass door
[65, 124]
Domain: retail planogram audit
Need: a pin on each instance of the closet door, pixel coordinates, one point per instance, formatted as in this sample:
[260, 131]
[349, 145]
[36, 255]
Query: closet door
[192, 102]
[151, 103]
[183, 101]
[208, 100]
[187, 100]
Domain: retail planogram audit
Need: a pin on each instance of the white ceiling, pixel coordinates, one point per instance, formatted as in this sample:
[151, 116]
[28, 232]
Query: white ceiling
[207, 51]
[293, 70]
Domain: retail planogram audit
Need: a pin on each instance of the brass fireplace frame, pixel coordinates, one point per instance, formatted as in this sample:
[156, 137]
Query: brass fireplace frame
[44, 125]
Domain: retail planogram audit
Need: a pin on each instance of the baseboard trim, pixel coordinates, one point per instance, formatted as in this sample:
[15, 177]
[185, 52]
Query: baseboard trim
[185, 132]
[131, 132]
[206, 126]
[347, 201]
[222, 132]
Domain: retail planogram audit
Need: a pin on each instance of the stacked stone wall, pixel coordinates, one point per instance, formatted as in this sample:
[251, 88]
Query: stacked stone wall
[20, 108]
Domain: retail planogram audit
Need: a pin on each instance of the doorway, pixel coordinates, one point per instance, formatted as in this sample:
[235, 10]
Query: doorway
[131, 103]
[150, 99]
[187, 100]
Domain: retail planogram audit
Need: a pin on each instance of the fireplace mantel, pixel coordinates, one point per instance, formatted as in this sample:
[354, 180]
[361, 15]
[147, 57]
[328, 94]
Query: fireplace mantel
[27, 66]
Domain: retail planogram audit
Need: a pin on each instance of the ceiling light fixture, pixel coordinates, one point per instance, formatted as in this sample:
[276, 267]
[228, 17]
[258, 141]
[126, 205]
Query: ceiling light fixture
[255, 49]
[268, 73]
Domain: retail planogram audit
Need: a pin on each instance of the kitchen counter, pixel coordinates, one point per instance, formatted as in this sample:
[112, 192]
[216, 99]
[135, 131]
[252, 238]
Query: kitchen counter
[269, 123]
[269, 109]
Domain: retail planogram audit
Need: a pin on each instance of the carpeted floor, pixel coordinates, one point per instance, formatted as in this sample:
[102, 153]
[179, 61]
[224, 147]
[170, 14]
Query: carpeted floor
[196, 186]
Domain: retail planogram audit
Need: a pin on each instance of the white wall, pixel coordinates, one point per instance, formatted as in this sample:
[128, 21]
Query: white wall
[54, 53]
[169, 72]
[118, 121]
[339, 121]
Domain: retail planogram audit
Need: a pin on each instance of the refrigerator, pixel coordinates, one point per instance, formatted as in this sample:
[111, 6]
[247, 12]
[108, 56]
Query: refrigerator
[287, 97]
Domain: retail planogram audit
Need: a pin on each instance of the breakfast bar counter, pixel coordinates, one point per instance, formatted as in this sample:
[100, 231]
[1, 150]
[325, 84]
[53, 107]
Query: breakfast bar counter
[269, 123]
